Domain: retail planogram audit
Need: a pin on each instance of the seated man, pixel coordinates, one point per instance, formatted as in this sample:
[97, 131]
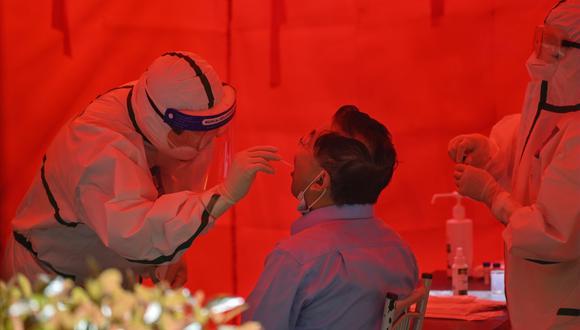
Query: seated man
[340, 261]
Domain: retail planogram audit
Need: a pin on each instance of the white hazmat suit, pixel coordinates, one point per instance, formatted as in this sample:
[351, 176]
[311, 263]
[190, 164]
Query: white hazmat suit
[96, 194]
[531, 181]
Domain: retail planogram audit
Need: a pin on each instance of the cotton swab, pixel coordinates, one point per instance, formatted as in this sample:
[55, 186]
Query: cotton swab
[286, 163]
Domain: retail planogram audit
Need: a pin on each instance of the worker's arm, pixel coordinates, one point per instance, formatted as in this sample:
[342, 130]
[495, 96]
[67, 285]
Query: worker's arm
[549, 229]
[121, 204]
[503, 145]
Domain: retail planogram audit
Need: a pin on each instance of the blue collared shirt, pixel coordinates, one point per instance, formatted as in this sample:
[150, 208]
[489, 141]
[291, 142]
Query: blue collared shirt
[333, 272]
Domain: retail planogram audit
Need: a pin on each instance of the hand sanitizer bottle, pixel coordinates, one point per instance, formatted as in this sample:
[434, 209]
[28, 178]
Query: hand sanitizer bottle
[459, 278]
[458, 231]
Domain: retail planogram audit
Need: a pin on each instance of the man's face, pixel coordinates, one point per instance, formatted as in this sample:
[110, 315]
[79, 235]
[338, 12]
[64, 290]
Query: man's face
[306, 168]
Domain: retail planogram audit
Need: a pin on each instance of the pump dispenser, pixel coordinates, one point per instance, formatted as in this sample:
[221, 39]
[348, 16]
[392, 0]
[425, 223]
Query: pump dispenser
[458, 232]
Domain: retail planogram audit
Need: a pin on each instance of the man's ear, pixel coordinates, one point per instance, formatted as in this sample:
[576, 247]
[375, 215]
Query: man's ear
[322, 183]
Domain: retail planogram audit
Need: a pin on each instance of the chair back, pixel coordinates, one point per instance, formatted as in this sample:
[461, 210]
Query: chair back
[407, 313]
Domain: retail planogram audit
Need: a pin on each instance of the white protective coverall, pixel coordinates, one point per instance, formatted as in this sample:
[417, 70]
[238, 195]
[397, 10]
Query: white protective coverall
[95, 196]
[538, 163]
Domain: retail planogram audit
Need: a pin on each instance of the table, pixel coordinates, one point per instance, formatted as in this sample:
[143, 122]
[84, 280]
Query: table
[442, 282]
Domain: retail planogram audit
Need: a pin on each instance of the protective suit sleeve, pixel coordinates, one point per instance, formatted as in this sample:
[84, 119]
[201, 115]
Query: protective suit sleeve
[272, 302]
[549, 229]
[503, 139]
[118, 200]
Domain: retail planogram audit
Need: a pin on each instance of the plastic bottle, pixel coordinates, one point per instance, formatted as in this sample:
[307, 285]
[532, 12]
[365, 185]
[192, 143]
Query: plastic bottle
[460, 276]
[458, 231]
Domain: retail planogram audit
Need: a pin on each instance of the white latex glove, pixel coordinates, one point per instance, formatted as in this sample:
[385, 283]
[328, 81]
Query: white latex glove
[476, 183]
[174, 274]
[470, 149]
[245, 166]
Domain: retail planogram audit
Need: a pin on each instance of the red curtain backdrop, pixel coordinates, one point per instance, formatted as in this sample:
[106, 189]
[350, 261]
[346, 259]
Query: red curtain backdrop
[427, 69]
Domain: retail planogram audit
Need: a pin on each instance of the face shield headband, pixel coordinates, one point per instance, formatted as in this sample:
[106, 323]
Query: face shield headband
[181, 121]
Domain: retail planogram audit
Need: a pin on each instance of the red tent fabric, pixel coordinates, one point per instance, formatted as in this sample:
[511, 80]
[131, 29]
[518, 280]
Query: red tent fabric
[428, 70]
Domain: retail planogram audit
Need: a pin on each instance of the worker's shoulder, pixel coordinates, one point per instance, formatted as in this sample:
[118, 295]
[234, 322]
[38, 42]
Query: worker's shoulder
[89, 139]
[89, 130]
[119, 93]
[107, 118]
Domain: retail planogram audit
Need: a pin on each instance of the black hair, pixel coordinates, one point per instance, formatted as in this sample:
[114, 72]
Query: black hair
[359, 156]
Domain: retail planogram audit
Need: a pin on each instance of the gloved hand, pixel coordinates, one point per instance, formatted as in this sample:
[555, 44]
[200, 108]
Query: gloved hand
[252, 325]
[245, 166]
[174, 274]
[470, 149]
[476, 183]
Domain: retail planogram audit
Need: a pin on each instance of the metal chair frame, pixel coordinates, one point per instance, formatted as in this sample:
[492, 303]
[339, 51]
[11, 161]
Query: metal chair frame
[400, 314]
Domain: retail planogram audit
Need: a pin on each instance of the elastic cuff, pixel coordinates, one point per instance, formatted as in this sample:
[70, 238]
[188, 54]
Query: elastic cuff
[220, 205]
[224, 194]
[503, 206]
[490, 192]
[206, 197]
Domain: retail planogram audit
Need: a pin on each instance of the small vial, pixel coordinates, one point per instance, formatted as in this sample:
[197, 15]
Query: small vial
[459, 271]
[497, 276]
[486, 272]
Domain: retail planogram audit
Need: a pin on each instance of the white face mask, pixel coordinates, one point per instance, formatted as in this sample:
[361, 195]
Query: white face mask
[183, 153]
[539, 69]
[302, 206]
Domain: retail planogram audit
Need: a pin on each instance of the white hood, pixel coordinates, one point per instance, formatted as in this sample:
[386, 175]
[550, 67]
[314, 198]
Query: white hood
[181, 81]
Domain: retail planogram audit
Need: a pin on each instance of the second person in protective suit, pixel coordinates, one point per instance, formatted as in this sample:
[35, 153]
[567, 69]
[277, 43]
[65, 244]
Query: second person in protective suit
[528, 173]
[122, 183]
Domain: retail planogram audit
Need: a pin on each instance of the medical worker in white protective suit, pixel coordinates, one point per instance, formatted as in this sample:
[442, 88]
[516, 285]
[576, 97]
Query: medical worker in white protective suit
[528, 173]
[122, 182]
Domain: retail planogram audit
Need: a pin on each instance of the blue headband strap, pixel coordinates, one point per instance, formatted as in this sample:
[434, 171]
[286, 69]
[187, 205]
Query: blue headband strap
[179, 120]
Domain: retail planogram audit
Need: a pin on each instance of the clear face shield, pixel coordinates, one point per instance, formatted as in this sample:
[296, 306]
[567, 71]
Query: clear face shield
[209, 139]
[221, 157]
[550, 44]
